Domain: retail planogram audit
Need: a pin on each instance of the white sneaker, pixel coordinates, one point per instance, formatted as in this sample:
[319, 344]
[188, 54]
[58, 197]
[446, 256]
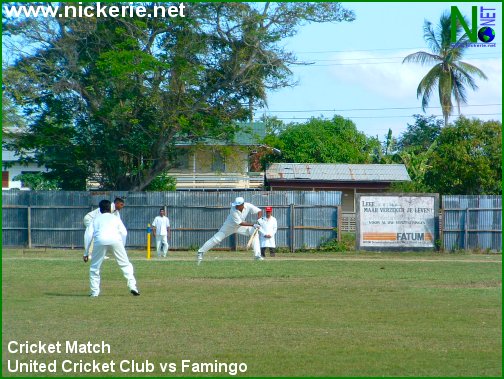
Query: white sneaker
[199, 257]
[105, 257]
[259, 258]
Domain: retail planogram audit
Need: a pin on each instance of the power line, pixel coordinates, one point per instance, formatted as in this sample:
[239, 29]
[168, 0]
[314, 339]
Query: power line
[477, 57]
[366, 109]
[363, 50]
[356, 51]
[405, 116]
[367, 63]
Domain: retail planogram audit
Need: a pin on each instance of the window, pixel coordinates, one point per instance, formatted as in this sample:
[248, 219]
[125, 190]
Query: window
[5, 179]
[218, 162]
[181, 159]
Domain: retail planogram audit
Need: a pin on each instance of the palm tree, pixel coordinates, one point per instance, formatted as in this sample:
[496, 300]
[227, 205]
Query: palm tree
[449, 74]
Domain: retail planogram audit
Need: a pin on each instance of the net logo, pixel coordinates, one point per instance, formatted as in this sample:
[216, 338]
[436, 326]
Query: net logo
[480, 34]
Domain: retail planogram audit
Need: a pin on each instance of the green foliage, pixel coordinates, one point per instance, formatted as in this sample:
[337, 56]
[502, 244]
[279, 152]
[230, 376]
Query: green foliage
[467, 159]
[162, 182]
[449, 74]
[10, 115]
[112, 97]
[323, 141]
[38, 181]
[419, 136]
[347, 243]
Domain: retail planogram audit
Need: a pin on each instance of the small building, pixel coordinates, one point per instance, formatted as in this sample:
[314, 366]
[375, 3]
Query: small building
[12, 167]
[220, 164]
[350, 179]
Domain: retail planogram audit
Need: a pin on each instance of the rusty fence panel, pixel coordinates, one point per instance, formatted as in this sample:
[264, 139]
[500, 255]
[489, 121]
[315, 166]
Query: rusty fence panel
[54, 218]
[472, 222]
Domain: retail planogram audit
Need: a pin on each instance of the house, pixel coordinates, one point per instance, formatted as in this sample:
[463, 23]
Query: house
[218, 164]
[350, 179]
[11, 167]
[211, 164]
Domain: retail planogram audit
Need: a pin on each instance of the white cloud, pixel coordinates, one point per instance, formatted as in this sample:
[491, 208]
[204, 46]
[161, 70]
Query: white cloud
[385, 76]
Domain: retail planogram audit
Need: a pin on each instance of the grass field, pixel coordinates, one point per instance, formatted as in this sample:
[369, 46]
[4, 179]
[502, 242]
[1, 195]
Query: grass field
[294, 315]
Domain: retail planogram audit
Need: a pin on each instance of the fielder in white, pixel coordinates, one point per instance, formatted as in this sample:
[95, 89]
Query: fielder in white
[116, 206]
[109, 235]
[161, 230]
[267, 233]
[235, 223]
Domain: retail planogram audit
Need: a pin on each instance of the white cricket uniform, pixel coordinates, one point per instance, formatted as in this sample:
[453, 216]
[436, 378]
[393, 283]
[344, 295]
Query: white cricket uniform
[88, 223]
[161, 224]
[109, 235]
[232, 225]
[268, 226]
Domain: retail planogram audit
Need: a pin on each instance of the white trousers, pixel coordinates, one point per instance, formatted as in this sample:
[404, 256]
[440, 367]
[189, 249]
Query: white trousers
[88, 234]
[226, 231]
[161, 241]
[122, 260]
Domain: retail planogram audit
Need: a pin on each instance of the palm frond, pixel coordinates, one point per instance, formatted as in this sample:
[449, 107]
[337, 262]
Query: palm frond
[462, 79]
[430, 37]
[469, 69]
[445, 93]
[422, 57]
[458, 91]
[427, 85]
[444, 31]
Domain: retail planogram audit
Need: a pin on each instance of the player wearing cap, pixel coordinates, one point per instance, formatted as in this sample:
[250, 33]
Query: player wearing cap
[235, 223]
[267, 233]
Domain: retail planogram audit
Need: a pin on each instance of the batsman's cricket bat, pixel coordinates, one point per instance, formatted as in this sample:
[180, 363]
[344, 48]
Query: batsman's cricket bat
[251, 239]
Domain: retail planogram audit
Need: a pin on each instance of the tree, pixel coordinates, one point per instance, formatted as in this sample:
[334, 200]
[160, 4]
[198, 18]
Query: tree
[162, 182]
[467, 159]
[449, 74]
[323, 141]
[385, 152]
[37, 181]
[420, 135]
[111, 97]
[414, 149]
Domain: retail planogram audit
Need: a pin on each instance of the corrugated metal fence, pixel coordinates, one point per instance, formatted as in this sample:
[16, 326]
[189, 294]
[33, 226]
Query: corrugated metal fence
[472, 222]
[54, 218]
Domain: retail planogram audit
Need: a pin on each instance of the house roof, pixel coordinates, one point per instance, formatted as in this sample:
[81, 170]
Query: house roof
[337, 172]
[249, 134]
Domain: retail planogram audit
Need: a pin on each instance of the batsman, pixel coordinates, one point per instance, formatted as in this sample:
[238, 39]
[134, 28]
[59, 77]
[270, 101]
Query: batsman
[235, 223]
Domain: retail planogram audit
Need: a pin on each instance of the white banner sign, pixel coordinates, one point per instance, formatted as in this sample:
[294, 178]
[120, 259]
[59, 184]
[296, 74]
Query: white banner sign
[397, 221]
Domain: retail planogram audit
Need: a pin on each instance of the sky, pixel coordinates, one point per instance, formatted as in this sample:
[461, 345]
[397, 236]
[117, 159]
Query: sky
[358, 71]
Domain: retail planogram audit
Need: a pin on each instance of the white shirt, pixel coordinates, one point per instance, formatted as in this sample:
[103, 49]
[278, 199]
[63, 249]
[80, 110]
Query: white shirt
[109, 229]
[268, 227]
[236, 217]
[88, 219]
[161, 224]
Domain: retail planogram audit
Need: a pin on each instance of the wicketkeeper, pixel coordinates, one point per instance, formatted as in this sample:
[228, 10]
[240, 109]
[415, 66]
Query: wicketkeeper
[235, 223]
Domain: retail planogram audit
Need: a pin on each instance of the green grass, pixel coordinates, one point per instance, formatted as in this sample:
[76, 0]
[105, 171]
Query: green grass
[295, 315]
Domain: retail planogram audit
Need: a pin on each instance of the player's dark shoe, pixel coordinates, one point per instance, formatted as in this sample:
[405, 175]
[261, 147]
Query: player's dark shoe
[135, 292]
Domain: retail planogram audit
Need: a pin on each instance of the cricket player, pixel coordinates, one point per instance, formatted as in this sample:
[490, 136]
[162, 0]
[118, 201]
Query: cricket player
[267, 233]
[116, 206]
[235, 223]
[161, 230]
[109, 235]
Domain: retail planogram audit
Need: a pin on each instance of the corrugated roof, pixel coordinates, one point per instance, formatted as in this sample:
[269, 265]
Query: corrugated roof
[338, 172]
